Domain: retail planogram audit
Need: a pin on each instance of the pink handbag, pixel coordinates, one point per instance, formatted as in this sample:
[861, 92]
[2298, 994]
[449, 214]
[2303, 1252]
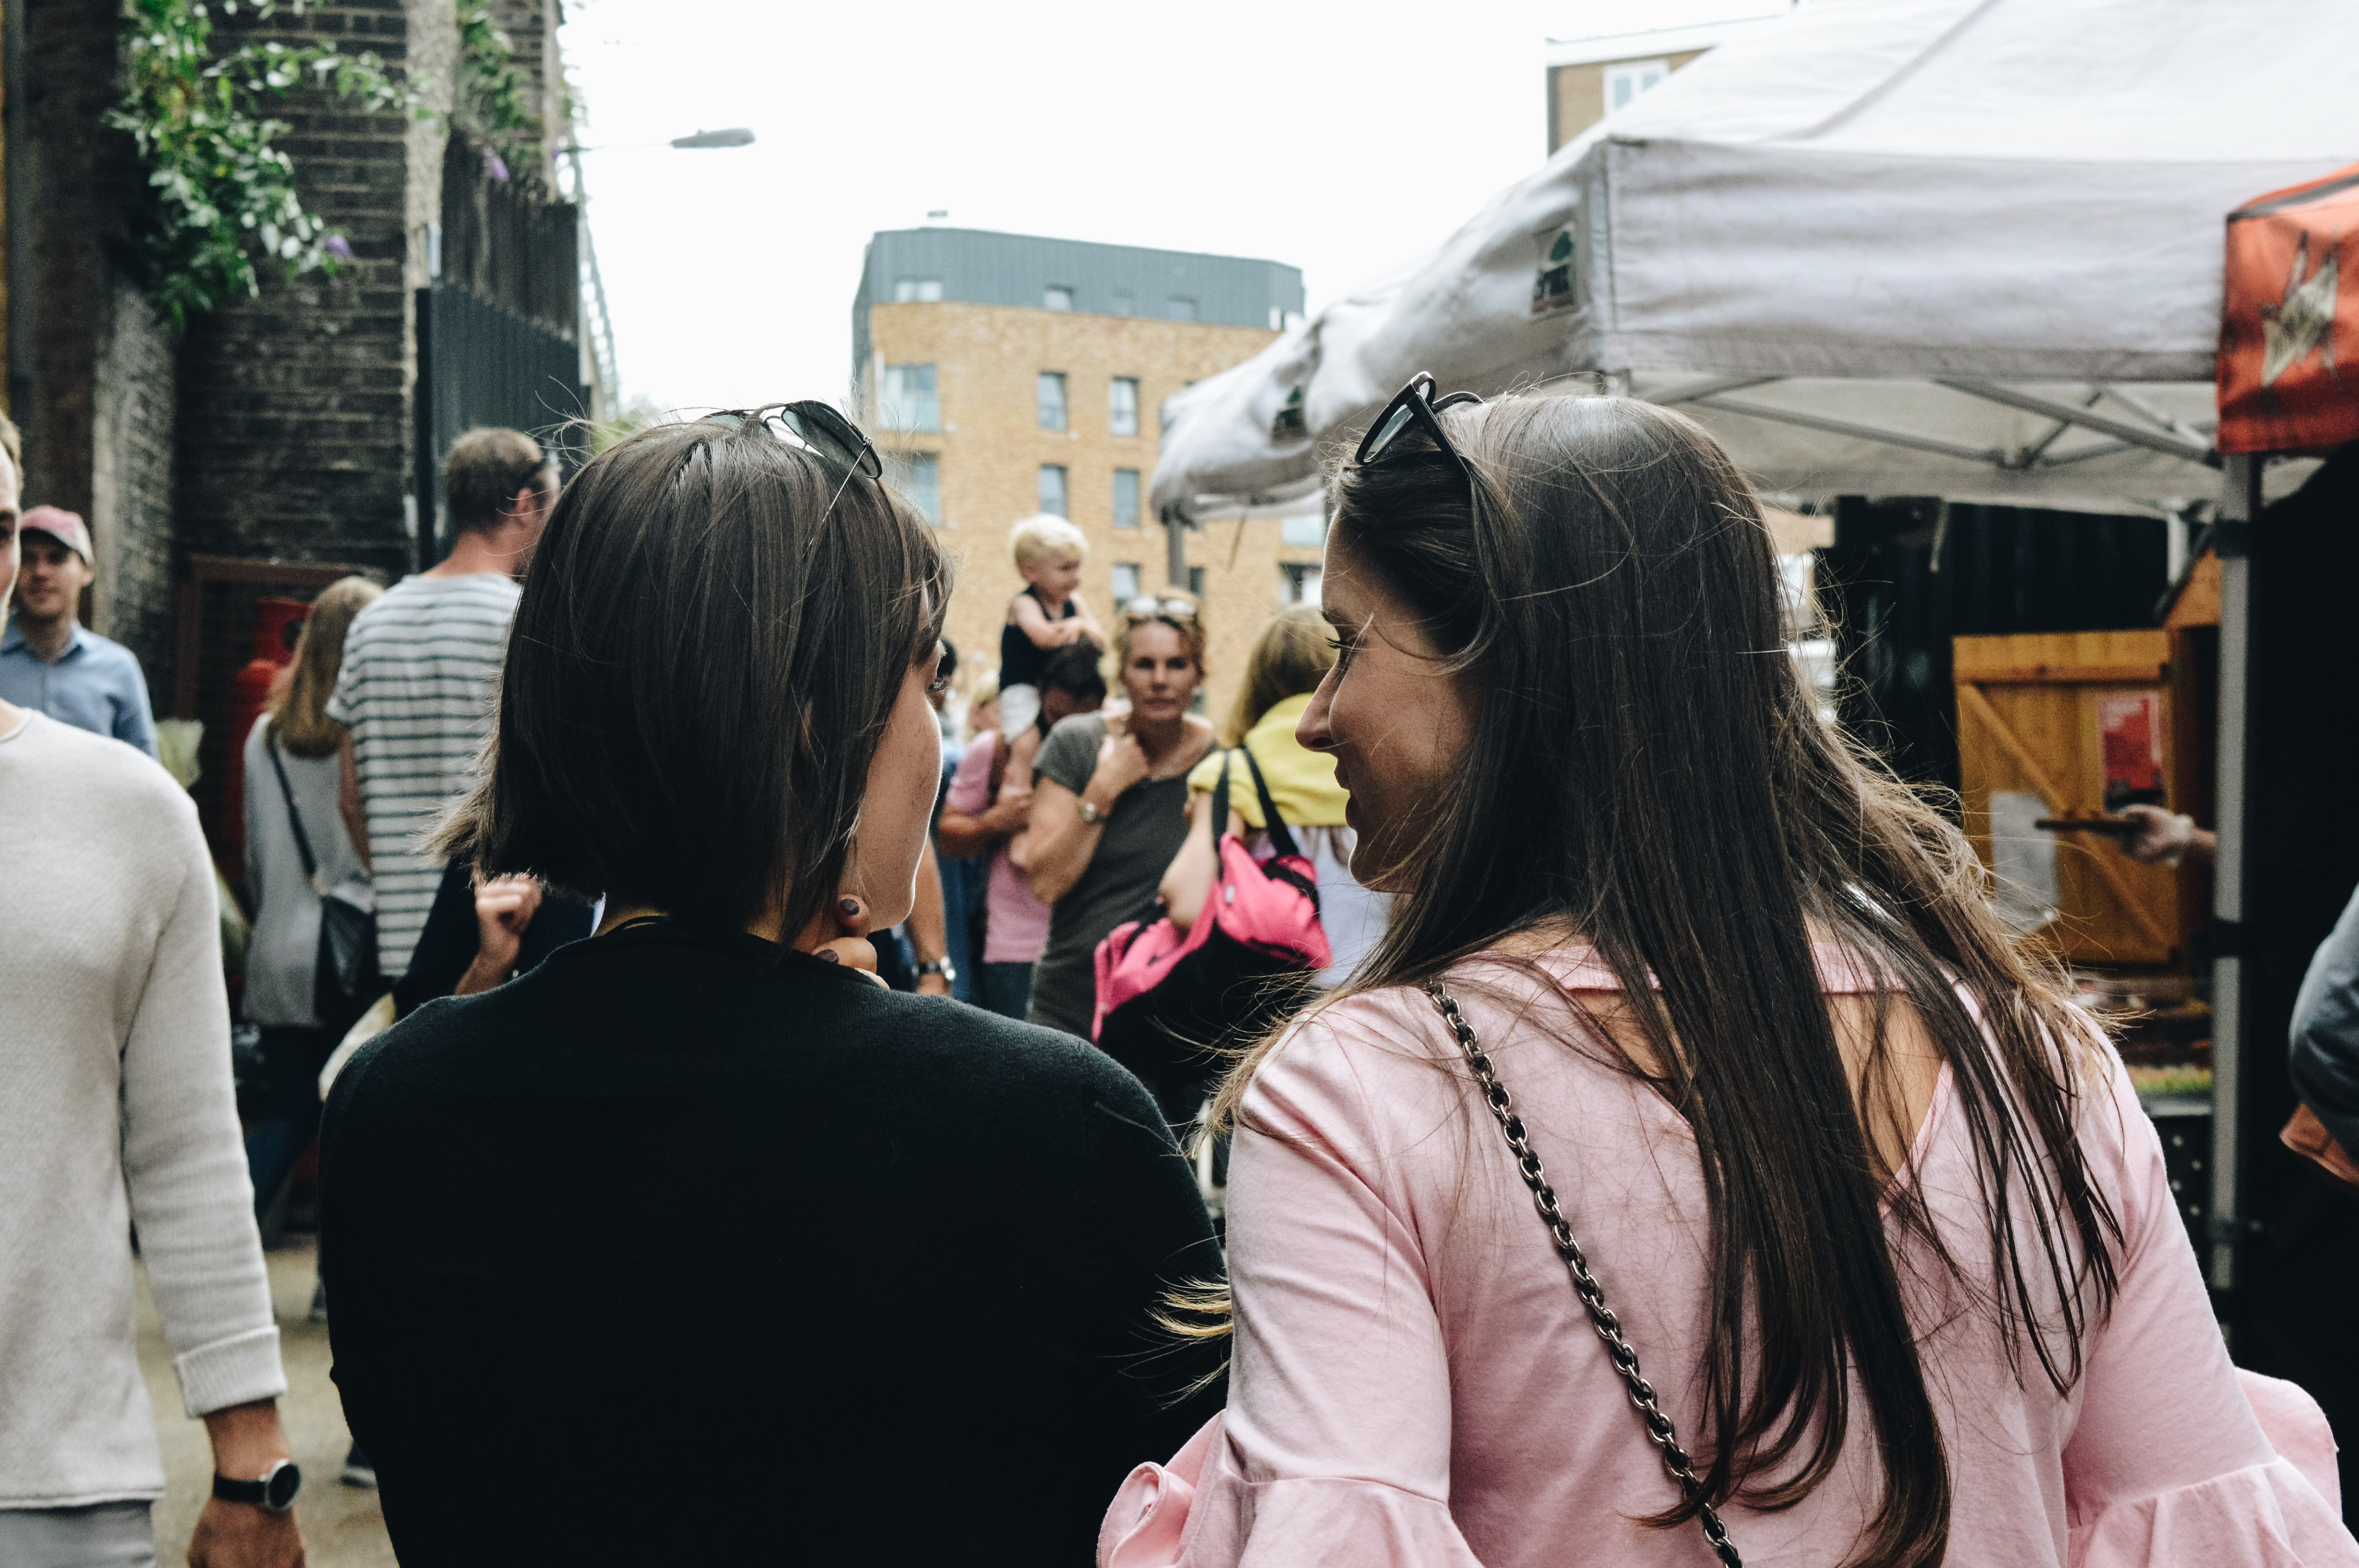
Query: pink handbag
[1166, 998]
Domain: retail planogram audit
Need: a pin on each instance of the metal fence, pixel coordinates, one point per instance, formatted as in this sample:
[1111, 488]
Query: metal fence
[481, 364]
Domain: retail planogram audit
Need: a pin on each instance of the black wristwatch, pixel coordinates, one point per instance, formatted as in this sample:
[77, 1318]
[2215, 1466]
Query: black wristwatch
[274, 1493]
[942, 967]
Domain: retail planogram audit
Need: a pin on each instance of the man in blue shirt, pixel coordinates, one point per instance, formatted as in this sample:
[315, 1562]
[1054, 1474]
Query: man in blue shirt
[48, 662]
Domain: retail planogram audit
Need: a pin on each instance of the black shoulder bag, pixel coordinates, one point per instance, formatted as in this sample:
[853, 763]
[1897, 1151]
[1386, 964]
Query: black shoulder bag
[1659, 1429]
[344, 980]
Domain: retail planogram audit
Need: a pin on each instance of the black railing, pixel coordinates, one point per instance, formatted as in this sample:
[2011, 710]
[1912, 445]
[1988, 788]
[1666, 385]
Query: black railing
[479, 364]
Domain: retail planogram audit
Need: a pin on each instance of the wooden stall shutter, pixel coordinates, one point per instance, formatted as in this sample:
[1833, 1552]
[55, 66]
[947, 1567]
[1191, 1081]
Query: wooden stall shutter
[2033, 711]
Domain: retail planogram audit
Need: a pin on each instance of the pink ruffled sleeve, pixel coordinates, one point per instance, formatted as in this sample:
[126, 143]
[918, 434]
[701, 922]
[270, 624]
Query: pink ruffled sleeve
[1335, 1447]
[2170, 1462]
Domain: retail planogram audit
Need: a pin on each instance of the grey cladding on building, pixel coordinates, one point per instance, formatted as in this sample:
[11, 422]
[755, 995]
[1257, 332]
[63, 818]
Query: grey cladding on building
[979, 267]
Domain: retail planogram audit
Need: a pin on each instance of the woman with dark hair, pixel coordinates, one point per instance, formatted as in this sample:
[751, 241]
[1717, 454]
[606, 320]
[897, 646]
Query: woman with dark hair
[1835, 1187]
[672, 1248]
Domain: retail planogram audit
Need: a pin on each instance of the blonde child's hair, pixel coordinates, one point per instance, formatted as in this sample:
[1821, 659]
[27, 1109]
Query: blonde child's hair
[1038, 537]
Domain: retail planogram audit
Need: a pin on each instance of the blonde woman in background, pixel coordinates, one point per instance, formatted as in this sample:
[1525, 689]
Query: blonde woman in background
[1110, 802]
[1292, 657]
[296, 735]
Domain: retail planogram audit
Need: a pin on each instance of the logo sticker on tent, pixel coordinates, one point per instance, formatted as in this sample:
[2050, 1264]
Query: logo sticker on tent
[1552, 279]
[2289, 321]
[1289, 425]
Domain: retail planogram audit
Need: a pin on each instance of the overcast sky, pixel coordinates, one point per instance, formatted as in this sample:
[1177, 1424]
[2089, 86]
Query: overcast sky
[1340, 138]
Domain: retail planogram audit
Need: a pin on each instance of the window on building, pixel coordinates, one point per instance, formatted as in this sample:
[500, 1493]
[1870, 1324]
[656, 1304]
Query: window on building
[1057, 297]
[916, 290]
[1310, 528]
[1124, 304]
[1125, 582]
[1196, 581]
[919, 477]
[1052, 399]
[1179, 309]
[1053, 490]
[1121, 406]
[1125, 498]
[909, 402]
[1626, 79]
[1298, 582]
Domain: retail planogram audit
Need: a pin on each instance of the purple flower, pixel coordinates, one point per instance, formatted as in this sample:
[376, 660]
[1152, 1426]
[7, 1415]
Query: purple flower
[495, 166]
[339, 247]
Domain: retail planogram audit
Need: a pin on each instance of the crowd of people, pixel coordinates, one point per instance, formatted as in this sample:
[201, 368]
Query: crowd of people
[621, 900]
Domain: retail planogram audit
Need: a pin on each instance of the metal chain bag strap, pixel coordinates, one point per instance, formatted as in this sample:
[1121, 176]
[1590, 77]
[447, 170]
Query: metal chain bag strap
[1659, 1428]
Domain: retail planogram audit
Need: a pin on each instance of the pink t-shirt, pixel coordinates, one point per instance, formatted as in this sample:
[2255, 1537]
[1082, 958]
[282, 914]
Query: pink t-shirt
[1015, 924]
[1415, 1386]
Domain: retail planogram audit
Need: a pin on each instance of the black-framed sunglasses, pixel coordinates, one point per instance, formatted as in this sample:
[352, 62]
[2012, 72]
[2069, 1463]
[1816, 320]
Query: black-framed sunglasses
[819, 429]
[1415, 407]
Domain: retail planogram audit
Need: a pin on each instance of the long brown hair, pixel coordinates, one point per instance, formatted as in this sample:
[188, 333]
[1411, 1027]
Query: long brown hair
[704, 660]
[1646, 769]
[299, 725]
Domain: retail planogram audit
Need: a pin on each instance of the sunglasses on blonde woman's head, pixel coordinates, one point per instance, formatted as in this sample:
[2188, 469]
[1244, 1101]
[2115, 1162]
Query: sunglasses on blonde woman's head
[1146, 607]
[818, 430]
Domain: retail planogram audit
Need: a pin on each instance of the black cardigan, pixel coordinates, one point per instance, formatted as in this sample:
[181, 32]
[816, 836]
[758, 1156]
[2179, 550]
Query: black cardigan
[683, 1248]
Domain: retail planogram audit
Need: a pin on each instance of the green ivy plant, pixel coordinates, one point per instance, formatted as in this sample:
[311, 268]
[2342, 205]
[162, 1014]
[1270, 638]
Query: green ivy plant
[492, 103]
[221, 194]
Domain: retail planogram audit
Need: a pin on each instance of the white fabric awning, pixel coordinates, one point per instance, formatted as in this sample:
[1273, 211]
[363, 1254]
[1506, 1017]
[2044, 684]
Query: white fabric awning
[1960, 247]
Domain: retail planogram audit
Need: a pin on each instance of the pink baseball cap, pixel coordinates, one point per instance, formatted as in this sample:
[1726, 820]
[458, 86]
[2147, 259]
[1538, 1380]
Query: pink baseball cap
[65, 528]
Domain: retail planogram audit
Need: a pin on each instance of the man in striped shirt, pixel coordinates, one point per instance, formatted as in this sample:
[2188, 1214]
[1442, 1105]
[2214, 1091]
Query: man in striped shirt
[422, 666]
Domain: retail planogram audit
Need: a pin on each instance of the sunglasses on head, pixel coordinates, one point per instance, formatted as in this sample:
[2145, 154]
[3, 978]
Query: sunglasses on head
[818, 430]
[1414, 407]
[1146, 607]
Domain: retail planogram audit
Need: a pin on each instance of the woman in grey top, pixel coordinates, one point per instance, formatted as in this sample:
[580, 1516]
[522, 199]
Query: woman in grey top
[282, 957]
[1110, 803]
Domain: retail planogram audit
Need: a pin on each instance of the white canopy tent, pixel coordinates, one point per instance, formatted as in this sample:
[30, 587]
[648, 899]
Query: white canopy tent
[1969, 248]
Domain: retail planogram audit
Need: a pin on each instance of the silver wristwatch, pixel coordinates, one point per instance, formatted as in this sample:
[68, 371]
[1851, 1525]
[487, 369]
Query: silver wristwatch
[942, 967]
[1091, 814]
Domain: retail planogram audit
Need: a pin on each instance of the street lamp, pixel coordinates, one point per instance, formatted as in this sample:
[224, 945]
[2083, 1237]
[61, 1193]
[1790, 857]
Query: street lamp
[601, 324]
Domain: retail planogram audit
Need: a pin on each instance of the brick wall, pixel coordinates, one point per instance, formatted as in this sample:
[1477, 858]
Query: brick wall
[294, 416]
[98, 419]
[132, 417]
[987, 360]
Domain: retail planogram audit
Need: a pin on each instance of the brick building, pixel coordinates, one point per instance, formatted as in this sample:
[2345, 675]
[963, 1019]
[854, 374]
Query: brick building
[1005, 374]
[277, 440]
[1590, 76]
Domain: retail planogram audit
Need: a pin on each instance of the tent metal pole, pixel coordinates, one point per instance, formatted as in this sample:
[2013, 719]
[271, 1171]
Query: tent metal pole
[2083, 454]
[2038, 449]
[2140, 405]
[1175, 546]
[1991, 454]
[1713, 388]
[2088, 418]
[2239, 506]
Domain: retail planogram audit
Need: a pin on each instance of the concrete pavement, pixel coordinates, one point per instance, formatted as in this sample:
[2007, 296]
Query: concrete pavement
[342, 1525]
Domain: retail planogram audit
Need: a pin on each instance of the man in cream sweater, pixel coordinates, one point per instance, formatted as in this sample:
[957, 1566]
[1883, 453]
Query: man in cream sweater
[116, 1112]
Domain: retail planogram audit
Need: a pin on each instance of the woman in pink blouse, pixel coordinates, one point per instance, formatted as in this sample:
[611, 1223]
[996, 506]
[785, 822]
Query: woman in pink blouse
[1876, 1210]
